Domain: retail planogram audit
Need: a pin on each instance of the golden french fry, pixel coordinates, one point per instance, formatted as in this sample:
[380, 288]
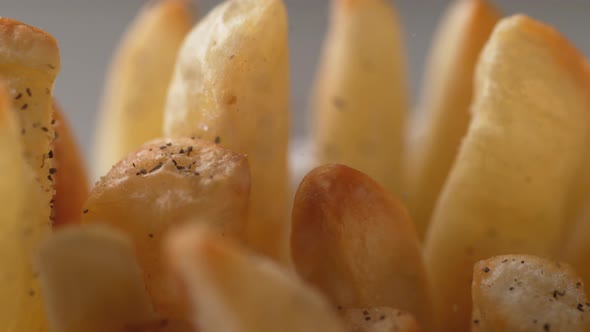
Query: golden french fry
[380, 319]
[91, 281]
[132, 110]
[22, 224]
[231, 290]
[231, 87]
[71, 181]
[506, 193]
[166, 183]
[443, 115]
[29, 63]
[522, 293]
[356, 243]
[361, 99]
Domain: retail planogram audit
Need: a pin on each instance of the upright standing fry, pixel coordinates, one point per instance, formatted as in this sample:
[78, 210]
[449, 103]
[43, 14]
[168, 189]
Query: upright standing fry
[506, 192]
[523, 293]
[132, 111]
[29, 63]
[361, 99]
[231, 87]
[356, 243]
[22, 223]
[71, 181]
[444, 111]
[232, 290]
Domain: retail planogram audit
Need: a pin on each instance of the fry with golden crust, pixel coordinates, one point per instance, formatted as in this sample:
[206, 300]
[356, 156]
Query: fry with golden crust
[360, 100]
[22, 224]
[506, 193]
[71, 181]
[29, 63]
[165, 183]
[91, 281]
[444, 114]
[522, 293]
[231, 87]
[381, 319]
[232, 290]
[356, 243]
[132, 110]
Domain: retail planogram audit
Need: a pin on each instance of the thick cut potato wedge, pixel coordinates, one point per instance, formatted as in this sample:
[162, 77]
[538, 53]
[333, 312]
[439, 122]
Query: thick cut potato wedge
[443, 115]
[522, 293]
[22, 224]
[361, 99]
[231, 87]
[506, 193]
[356, 243]
[29, 63]
[380, 319]
[166, 183]
[132, 110]
[91, 281]
[71, 181]
[232, 290]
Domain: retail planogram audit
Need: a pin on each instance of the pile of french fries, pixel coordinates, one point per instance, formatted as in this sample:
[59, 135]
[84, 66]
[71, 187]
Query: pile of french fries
[192, 225]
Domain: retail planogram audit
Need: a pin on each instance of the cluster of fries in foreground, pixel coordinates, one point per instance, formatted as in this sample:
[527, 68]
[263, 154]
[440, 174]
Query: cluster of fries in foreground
[188, 229]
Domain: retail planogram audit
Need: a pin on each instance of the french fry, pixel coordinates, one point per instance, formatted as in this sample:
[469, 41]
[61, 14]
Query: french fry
[356, 243]
[71, 181]
[231, 87]
[166, 183]
[22, 224]
[381, 319]
[443, 115]
[522, 293]
[29, 63]
[360, 100]
[231, 290]
[132, 109]
[91, 281]
[506, 193]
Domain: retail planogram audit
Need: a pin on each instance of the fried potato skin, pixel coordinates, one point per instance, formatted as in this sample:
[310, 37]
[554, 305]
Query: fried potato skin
[231, 86]
[166, 183]
[380, 319]
[506, 193]
[356, 243]
[71, 180]
[22, 224]
[443, 114]
[132, 110]
[360, 98]
[231, 288]
[523, 293]
[91, 281]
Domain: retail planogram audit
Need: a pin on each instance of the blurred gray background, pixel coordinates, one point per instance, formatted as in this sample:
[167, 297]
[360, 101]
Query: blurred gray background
[88, 32]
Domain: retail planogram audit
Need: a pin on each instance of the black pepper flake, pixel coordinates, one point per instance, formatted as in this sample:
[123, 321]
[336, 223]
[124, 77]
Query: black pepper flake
[174, 162]
[24, 107]
[368, 318]
[52, 170]
[50, 154]
[578, 284]
[476, 321]
[189, 150]
[365, 312]
[133, 164]
[168, 144]
[151, 235]
[157, 167]
[50, 66]
[45, 129]
[558, 293]
[580, 307]
[85, 211]
[180, 168]
[50, 178]
[382, 317]
[181, 151]
[29, 92]
[511, 288]
[547, 327]
[521, 262]
[486, 269]
[217, 140]
[162, 147]
[31, 293]
[141, 171]
[53, 121]
[197, 173]
[18, 96]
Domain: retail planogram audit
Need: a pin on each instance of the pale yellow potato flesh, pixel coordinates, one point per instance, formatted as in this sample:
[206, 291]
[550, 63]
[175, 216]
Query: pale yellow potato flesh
[523, 293]
[22, 224]
[356, 243]
[233, 290]
[360, 98]
[443, 114]
[163, 184]
[231, 86]
[509, 187]
[132, 110]
[91, 281]
[380, 319]
[29, 64]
